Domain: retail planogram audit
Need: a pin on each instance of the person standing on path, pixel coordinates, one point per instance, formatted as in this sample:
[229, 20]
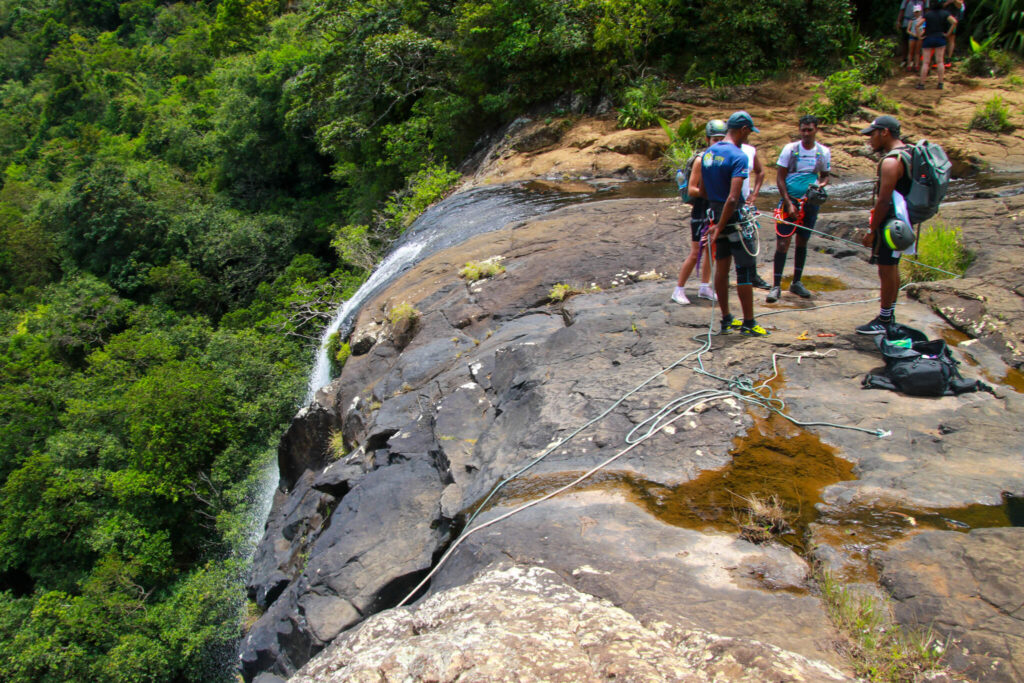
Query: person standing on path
[893, 176]
[915, 29]
[801, 164]
[902, 20]
[939, 25]
[723, 168]
[714, 131]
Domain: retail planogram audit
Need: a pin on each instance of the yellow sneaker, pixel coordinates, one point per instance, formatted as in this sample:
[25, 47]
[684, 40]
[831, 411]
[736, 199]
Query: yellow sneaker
[754, 330]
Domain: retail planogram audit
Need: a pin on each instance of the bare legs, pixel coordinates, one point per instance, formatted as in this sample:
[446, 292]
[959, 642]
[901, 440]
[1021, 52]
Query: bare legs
[926, 61]
[690, 262]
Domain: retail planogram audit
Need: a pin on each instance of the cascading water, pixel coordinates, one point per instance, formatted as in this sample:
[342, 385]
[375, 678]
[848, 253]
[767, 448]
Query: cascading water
[443, 225]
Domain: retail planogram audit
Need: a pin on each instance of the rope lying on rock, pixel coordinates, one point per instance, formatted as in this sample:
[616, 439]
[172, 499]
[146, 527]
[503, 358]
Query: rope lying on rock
[738, 387]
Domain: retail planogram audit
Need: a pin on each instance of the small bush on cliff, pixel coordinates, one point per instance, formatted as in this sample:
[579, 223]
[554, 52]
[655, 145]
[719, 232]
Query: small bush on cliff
[403, 312]
[337, 353]
[940, 245]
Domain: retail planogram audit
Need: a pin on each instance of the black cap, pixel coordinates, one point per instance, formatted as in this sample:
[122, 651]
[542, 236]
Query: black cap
[888, 123]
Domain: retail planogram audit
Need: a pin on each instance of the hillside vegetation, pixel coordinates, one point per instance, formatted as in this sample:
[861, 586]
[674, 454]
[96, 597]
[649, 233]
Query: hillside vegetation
[187, 190]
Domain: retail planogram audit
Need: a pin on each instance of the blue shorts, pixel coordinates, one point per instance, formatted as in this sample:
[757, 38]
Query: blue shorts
[934, 40]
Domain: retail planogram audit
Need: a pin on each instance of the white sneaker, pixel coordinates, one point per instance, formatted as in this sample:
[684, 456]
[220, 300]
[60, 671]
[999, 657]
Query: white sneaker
[679, 296]
[706, 292]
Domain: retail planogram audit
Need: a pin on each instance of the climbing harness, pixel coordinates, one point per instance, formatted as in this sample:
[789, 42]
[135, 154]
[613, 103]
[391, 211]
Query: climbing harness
[796, 222]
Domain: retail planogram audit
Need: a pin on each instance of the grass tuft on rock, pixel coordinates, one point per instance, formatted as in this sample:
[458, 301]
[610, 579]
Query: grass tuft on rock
[479, 270]
[336, 447]
[763, 519]
[562, 291]
[993, 116]
[940, 245]
[878, 648]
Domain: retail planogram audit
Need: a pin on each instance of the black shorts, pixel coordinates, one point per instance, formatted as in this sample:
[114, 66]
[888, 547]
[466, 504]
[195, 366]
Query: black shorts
[884, 256]
[696, 225]
[728, 242]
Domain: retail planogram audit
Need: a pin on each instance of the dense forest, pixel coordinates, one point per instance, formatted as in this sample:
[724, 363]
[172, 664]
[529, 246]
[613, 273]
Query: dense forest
[186, 189]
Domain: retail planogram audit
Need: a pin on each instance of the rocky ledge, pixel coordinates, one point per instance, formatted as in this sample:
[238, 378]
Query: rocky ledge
[607, 580]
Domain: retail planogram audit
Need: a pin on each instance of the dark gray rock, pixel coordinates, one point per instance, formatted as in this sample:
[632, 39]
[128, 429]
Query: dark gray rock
[967, 588]
[293, 524]
[304, 444]
[381, 539]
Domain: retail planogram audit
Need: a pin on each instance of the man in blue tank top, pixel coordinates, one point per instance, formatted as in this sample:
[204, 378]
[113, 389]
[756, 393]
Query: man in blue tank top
[723, 168]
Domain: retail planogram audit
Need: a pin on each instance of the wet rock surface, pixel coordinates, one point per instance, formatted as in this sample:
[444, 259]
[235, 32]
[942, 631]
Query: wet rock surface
[496, 374]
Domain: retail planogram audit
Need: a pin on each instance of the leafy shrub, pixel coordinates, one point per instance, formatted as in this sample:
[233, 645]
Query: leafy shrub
[682, 142]
[872, 58]
[1003, 20]
[985, 61]
[940, 245]
[773, 34]
[992, 116]
[845, 93]
[640, 104]
[363, 245]
[478, 270]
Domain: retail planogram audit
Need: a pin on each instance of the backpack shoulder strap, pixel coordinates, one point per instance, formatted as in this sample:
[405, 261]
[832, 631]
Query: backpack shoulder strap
[794, 156]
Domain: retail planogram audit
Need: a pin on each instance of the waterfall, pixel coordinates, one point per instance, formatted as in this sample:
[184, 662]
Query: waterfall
[394, 263]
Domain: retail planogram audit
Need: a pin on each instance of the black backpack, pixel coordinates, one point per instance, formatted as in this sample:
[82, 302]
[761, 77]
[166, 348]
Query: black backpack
[918, 366]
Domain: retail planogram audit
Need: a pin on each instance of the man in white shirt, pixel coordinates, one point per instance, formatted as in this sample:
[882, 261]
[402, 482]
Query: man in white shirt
[801, 164]
[752, 189]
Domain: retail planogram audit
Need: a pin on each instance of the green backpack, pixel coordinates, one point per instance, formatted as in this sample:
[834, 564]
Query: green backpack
[928, 168]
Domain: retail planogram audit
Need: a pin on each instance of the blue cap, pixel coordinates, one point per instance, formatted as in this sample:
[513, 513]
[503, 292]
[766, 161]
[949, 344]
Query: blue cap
[740, 119]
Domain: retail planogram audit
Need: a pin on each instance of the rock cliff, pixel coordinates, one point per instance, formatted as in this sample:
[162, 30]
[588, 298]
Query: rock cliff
[609, 579]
